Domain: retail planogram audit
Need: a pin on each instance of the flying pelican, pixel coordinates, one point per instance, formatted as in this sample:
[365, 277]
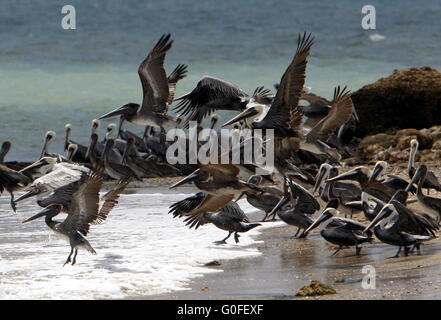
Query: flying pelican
[220, 181]
[341, 231]
[155, 88]
[431, 181]
[230, 218]
[84, 210]
[401, 227]
[11, 180]
[431, 204]
[6, 146]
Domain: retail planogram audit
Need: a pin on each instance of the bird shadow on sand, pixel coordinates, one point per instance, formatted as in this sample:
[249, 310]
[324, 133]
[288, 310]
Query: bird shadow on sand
[110, 262]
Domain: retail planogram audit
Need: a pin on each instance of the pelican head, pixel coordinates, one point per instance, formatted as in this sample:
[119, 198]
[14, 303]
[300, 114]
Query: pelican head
[50, 211]
[324, 170]
[198, 175]
[50, 136]
[68, 127]
[126, 111]
[354, 174]
[414, 144]
[6, 146]
[214, 119]
[72, 150]
[95, 125]
[385, 212]
[379, 168]
[250, 112]
[42, 166]
[326, 215]
[256, 179]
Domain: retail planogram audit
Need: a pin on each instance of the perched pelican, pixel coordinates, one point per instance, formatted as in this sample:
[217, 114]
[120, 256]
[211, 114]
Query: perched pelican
[48, 139]
[371, 186]
[115, 170]
[155, 88]
[431, 204]
[6, 146]
[401, 227]
[391, 181]
[341, 231]
[230, 218]
[84, 210]
[431, 181]
[301, 205]
[80, 153]
[11, 180]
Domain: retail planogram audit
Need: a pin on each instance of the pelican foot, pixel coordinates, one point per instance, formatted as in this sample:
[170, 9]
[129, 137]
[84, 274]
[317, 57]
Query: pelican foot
[357, 251]
[236, 237]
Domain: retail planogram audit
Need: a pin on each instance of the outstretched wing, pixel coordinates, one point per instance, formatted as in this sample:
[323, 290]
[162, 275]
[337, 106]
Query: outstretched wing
[9, 177]
[179, 73]
[153, 78]
[85, 203]
[340, 113]
[183, 207]
[262, 96]
[284, 110]
[110, 200]
[209, 95]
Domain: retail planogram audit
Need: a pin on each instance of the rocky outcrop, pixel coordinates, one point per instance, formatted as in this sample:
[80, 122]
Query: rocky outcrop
[394, 147]
[409, 98]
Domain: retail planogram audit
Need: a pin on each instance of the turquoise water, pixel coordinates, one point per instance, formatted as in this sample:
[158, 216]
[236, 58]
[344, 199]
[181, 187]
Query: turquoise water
[50, 76]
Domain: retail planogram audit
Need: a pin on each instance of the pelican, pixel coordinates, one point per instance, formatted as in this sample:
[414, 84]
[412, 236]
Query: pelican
[11, 180]
[48, 139]
[210, 94]
[371, 186]
[61, 174]
[301, 206]
[84, 210]
[6, 146]
[431, 181]
[220, 181]
[155, 88]
[391, 181]
[341, 231]
[401, 227]
[230, 218]
[116, 171]
[431, 204]
[80, 154]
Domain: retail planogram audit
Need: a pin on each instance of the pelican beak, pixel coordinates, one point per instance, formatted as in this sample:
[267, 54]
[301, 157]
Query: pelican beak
[323, 217]
[380, 216]
[350, 175]
[117, 112]
[35, 165]
[375, 173]
[194, 176]
[26, 195]
[415, 178]
[243, 115]
[319, 180]
[42, 213]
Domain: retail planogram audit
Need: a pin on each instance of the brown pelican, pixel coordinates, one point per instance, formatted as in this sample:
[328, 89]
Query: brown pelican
[391, 181]
[84, 210]
[11, 180]
[401, 227]
[341, 231]
[265, 199]
[155, 88]
[80, 155]
[48, 139]
[210, 94]
[61, 174]
[371, 186]
[301, 205]
[431, 204]
[115, 170]
[6, 146]
[431, 181]
[220, 181]
[230, 218]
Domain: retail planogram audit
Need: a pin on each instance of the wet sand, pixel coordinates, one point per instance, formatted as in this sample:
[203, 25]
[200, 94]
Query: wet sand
[286, 264]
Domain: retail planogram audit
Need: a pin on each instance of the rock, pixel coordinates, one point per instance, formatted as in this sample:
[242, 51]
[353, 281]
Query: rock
[315, 288]
[408, 98]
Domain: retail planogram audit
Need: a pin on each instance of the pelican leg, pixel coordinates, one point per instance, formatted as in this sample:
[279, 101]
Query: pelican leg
[223, 241]
[75, 257]
[236, 237]
[335, 252]
[68, 258]
[303, 234]
[265, 217]
[406, 251]
[357, 250]
[13, 203]
[398, 253]
[298, 229]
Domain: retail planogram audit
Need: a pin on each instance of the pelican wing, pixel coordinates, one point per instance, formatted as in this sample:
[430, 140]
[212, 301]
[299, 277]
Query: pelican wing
[84, 209]
[234, 211]
[305, 199]
[414, 223]
[9, 177]
[262, 96]
[183, 207]
[179, 73]
[110, 200]
[211, 203]
[153, 78]
[284, 110]
[341, 112]
[209, 95]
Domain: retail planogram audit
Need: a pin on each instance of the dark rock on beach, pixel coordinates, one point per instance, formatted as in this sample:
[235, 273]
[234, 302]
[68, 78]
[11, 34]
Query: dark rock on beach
[409, 98]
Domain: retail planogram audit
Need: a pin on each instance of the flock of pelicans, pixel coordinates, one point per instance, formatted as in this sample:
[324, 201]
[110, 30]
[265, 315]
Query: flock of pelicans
[309, 143]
